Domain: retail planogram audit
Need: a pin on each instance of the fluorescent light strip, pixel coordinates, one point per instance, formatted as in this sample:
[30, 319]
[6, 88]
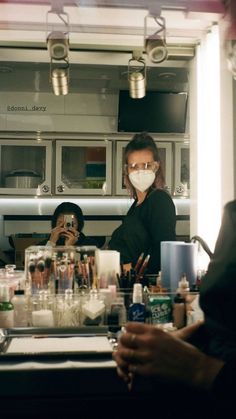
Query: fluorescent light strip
[208, 138]
[90, 206]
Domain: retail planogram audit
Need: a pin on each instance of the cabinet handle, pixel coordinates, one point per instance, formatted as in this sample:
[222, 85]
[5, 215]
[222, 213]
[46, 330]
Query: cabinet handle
[179, 189]
[60, 188]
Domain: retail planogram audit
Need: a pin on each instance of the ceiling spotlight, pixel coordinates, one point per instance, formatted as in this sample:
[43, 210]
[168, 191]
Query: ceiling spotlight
[58, 45]
[137, 77]
[60, 81]
[156, 49]
[155, 44]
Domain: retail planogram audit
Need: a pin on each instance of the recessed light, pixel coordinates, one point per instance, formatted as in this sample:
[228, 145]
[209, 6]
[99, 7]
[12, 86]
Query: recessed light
[167, 75]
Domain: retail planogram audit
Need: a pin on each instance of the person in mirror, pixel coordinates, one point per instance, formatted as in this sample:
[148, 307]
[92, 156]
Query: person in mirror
[152, 217]
[67, 231]
[198, 361]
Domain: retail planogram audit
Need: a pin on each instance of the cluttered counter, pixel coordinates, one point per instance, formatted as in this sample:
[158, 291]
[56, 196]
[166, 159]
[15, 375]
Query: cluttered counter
[57, 333]
[43, 376]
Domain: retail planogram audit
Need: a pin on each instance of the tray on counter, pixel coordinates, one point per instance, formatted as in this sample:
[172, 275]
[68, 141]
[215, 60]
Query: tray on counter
[54, 343]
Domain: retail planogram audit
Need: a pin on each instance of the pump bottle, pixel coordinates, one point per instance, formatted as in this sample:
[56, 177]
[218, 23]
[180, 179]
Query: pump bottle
[181, 301]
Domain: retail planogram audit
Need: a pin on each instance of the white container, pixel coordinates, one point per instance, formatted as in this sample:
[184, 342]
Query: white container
[19, 302]
[42, 318]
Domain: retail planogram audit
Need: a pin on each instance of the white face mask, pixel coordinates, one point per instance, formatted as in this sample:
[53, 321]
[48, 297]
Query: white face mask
[142, 179]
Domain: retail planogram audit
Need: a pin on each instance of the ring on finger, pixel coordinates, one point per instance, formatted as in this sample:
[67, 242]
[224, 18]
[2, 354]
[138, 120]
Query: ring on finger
[133, 338]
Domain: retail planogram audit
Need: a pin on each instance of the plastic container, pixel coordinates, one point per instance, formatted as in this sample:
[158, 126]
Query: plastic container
[12, 278]
[19, 302]
[57, 269]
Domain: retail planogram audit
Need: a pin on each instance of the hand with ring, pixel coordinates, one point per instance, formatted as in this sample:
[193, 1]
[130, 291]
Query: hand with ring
[151, 352]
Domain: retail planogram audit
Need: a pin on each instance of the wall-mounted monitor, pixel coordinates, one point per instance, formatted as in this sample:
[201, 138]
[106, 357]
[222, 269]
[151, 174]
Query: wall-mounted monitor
[161, 112]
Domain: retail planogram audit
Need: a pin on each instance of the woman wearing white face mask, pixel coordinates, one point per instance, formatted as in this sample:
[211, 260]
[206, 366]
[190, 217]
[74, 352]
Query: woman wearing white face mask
[151, 218]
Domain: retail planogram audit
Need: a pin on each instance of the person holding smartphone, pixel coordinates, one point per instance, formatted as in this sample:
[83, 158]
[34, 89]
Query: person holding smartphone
[67, 225]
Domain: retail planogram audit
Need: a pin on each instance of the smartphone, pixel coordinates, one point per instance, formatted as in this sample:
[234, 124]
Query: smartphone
[68, 221]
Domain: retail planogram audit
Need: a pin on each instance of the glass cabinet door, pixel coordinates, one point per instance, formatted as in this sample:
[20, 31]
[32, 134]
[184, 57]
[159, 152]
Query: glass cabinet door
[25, 167]
[165, 152]
[182, 170]
[83, 167]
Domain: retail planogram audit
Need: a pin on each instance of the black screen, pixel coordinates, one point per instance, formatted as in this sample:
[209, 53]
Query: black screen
[156, 112]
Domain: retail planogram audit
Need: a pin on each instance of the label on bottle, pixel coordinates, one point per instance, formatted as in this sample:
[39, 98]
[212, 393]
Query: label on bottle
[6, 319]
[179, 315]
[20, 312]
[161, 308]
[137, 313]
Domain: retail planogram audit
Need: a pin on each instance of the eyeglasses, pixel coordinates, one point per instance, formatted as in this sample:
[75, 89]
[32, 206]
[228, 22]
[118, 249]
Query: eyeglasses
[151, 165]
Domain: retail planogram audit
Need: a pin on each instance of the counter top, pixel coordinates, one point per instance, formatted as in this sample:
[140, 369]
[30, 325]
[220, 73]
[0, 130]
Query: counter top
[54, 390]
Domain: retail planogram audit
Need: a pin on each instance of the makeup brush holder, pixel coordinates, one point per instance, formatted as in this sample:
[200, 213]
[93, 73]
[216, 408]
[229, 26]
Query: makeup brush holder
[57, 269]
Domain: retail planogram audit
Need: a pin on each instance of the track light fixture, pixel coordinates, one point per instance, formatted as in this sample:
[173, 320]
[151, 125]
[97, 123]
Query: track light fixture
[60, 80]
[155, 44]
[58, 47]
[137, 76]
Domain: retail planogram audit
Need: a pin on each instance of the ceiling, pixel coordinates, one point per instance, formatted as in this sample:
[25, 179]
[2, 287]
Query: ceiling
[102, 38]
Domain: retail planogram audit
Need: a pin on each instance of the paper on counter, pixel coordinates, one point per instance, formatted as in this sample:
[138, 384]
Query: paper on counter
[33, 345]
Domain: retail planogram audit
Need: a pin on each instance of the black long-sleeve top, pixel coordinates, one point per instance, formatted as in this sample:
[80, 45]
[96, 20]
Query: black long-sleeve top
[143, 229]
[218, 301]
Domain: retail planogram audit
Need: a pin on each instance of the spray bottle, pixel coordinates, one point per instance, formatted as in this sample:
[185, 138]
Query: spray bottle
[136, 310]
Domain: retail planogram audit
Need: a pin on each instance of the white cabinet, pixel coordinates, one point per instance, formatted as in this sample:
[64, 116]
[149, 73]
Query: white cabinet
[182, 169]
[56, 167]
[83, 167]
[25, 167]
[165, 151]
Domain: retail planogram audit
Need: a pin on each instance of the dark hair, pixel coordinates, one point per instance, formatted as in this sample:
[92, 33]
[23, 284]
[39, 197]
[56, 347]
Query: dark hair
[68, 208]
[144, 141]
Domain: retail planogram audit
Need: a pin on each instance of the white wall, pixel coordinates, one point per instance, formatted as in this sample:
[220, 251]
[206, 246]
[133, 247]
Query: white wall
[212, 140]
[80, 112]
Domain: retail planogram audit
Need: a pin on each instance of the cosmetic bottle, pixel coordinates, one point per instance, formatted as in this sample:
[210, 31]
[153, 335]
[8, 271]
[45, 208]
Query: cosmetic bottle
[179, 311]
[183, 286]
[20, 308]
[6, 308]
[184, 291]
[137, 311]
